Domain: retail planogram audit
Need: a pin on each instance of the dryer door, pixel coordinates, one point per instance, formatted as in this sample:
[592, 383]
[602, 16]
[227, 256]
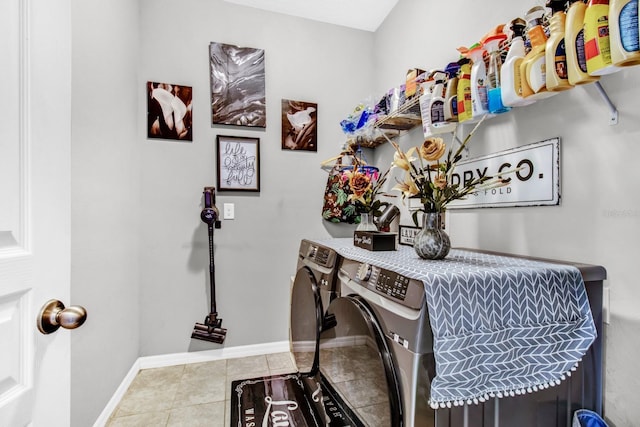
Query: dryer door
[306, 321]
[356, 364]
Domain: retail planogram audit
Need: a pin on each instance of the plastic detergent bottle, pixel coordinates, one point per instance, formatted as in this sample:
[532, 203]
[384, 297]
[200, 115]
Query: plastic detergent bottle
[465, 112]
[574, 42]
[425, 105]
[479, 101]
[597, 46]
[492, 45]
[436, 105]
[555, 51]
[533, 68]
[451, 93]
[623, 32]
[510, 77]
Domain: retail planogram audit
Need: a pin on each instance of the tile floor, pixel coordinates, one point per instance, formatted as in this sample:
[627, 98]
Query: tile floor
[191, 395]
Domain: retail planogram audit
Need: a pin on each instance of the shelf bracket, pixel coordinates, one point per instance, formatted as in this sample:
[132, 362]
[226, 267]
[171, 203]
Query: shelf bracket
[613, 111]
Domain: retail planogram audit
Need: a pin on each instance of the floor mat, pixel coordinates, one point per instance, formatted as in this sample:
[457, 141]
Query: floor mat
[280, 400]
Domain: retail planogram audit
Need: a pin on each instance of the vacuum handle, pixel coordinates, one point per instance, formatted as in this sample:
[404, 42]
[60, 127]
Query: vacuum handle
[209, 216]
[210, 213]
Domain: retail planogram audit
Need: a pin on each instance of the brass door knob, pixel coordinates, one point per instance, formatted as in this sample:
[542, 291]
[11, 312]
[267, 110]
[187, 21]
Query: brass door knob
[53, 315]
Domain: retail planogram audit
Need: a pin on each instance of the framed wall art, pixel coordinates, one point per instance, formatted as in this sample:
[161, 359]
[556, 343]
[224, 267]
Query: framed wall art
[299, 125]
[237, 85]
[169, 111]
[238, 163]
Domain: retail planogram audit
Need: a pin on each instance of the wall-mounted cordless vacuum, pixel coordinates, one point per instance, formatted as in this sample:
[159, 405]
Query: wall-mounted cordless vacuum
[211, 330]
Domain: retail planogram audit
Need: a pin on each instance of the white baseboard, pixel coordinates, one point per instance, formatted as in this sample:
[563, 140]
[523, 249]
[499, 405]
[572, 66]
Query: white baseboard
[161, 361]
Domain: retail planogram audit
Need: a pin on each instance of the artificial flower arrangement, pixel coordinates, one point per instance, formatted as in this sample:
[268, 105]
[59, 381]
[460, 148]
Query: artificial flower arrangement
[429, 176]
[365, 183]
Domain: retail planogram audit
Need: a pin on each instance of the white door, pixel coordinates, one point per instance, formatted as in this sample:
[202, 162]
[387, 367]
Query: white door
[35, 83]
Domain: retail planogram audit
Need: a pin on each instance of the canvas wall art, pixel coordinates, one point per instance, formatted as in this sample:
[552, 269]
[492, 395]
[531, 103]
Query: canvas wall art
[237, 85]
[299, 125]
[169, 111]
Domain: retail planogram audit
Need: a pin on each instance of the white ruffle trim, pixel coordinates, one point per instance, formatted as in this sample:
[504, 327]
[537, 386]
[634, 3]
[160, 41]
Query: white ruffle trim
[517, 391]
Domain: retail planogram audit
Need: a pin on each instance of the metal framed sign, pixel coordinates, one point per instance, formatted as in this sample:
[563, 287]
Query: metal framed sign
[535, 183]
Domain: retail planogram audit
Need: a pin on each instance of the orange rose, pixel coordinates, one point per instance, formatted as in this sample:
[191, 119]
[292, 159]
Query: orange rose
[432, 149]
[359, 183]
[440, 182]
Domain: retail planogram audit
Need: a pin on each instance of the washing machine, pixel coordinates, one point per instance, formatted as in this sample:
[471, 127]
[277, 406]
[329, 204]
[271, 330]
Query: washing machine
[315, 286]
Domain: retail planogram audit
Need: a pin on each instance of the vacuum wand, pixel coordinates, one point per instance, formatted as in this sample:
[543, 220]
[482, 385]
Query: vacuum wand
[211, 330]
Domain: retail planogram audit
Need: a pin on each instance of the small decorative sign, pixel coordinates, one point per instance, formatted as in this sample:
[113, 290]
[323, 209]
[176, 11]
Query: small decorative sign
[375, 240]
[536, 181]
[407, 234]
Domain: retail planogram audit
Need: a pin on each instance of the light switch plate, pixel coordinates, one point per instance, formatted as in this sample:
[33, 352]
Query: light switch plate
[228, 211]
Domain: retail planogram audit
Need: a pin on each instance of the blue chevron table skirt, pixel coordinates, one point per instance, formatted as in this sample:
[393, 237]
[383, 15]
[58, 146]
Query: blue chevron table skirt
[502, 326]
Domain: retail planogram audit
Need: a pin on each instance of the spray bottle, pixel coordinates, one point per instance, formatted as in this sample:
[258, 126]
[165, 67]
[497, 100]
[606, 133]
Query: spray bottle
[597, 44]
[436, 105]
[479, 101]
[465, 112]
[623, 32]
[533, 68]
[451, 93]
[510, 76]
[494, 93]
[555, 51]
[574, 42]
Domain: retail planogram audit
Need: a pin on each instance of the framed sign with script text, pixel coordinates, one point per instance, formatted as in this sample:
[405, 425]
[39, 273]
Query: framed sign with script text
[534, 180]
[238, 163]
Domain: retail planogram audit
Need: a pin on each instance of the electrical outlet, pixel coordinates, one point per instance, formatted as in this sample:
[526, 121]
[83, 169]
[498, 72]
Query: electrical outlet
[228, 211]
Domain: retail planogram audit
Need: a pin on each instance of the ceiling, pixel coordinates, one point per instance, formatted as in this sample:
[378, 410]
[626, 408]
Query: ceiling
[360, 14]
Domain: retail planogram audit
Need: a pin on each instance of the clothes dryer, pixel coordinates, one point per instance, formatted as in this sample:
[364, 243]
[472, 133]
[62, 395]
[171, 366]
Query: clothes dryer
[379, 355]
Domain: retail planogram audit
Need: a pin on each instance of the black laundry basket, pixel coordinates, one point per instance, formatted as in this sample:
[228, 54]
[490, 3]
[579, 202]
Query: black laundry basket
[587, 418]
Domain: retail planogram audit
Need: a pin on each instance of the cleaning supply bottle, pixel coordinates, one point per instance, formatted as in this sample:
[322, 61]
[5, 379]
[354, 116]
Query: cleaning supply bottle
[597, 44]
[425, 104]
[533, 67]
[555, 50]
[494, 96]
[436, 105]
[510, 77]
[479, 101]
[451, 93]
[623, 32]
[574, 43]
[465, 112]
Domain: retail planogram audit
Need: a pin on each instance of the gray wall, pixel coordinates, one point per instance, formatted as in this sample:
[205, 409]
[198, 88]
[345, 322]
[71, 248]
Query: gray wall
[598, 220]
[105, 201]
[256, 252]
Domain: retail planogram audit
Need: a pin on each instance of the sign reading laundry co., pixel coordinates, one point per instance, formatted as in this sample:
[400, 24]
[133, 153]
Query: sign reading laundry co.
[535, 182]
